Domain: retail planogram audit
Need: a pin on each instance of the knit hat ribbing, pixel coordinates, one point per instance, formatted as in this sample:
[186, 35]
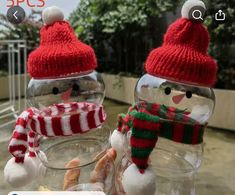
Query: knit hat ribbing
[60, 52]
[183, 56]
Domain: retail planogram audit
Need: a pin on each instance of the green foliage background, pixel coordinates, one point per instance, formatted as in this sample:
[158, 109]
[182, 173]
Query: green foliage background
[222, 46]
[123, 32]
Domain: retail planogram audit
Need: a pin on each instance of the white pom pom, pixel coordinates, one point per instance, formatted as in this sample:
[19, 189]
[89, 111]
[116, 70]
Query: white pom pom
[188, 5]
[117, 141]
[51, 15]
[20, 174]
[135, 183]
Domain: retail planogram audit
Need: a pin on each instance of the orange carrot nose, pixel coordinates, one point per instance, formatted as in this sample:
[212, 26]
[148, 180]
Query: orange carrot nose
[177, 98]
[66, 95]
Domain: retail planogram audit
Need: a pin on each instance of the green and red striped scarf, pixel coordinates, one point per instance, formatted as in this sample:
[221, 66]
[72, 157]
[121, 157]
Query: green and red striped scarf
[148, 121]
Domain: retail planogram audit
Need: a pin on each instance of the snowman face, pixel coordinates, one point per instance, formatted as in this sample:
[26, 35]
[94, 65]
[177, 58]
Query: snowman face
[198, 101]
[42, 93]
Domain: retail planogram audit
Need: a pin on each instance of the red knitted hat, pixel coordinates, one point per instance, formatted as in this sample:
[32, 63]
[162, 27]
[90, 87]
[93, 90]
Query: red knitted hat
[60, 52]
[183, 56]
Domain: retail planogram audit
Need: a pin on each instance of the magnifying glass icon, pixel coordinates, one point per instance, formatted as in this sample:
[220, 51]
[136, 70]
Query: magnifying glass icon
[197, 14]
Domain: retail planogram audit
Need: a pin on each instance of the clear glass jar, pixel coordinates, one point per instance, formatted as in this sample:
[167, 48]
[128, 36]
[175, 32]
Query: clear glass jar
[198, 101]
[60, 99]
[173, 163]
[89, 87]
[174, 175]
[90, 150]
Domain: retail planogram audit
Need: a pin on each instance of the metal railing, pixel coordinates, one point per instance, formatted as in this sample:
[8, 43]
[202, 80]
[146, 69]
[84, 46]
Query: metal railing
[16, 50]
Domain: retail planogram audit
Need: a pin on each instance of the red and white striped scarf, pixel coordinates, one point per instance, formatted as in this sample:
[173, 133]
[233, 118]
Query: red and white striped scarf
[63, 119]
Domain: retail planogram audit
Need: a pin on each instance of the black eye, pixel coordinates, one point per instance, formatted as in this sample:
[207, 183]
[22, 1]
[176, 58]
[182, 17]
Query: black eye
[55, 90]
[188, 94]
[167, 91]
[75, 87]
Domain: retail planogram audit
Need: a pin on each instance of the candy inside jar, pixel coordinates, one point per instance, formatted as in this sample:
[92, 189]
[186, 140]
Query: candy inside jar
[76, 164]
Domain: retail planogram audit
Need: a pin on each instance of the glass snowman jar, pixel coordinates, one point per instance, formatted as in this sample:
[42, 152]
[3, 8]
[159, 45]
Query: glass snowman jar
[174, 163]
[162, 133]
[61, 141]
[79, 154]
